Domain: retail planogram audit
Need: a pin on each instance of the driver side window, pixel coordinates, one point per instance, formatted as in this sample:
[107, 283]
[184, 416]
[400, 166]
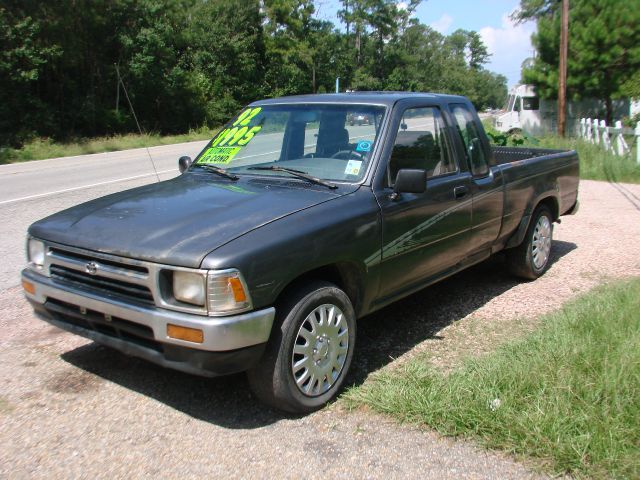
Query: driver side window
[421, 142]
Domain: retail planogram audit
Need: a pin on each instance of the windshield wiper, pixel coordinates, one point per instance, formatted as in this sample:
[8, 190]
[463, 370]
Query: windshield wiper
[296, 173]
[220, 171]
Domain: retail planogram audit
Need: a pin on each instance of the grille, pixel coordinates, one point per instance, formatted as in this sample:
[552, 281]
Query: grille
[102, 285]
[79, 257]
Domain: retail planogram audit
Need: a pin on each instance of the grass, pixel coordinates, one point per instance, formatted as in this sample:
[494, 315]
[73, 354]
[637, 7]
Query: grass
[39, 148]
[567, 394]
[595, 163]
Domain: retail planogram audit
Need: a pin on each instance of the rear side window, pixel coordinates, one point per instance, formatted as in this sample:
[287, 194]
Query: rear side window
[421, 142]
[468, 131]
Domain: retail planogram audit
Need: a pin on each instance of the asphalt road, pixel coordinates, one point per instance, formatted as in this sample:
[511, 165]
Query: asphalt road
[32, 190]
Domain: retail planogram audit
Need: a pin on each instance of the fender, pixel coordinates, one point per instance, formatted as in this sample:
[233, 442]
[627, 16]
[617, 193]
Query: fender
[518, 236]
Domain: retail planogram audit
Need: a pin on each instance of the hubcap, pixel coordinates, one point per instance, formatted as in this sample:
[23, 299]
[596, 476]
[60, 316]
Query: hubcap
[320, 350]
[541, 244]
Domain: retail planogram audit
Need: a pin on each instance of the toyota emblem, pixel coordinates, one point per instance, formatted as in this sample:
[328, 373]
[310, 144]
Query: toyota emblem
[91, 268]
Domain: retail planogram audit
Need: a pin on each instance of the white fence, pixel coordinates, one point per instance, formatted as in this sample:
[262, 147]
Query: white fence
[610, 138]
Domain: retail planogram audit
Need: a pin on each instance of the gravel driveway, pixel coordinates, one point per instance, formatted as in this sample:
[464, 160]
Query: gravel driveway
[69, 408]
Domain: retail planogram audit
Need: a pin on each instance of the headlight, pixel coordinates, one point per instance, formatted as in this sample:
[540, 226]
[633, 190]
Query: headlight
[189, 287]
[35, 252]
[227, 292]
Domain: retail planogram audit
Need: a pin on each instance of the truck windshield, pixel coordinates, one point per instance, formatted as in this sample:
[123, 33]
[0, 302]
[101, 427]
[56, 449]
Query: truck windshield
[328, 141]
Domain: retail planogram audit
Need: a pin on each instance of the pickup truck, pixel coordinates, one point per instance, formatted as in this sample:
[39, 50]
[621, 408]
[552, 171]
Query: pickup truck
[289, 226]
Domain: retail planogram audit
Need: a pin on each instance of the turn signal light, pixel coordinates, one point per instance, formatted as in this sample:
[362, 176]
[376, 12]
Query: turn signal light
[227, 293]
[237, 289]
[29, 287]
[185, 333]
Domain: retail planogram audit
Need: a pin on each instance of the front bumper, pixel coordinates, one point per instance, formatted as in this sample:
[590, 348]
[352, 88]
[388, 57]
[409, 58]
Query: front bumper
[230, 344]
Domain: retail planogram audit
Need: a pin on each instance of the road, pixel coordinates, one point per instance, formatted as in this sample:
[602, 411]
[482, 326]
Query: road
[32, 190]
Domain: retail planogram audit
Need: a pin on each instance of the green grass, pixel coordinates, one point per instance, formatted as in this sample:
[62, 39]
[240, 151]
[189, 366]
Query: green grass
[39, 149]
[595, 163]
[568, 394]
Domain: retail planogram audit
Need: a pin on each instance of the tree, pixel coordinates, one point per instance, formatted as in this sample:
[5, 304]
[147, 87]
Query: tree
[23, 60]
[604, 47]
[188, 63]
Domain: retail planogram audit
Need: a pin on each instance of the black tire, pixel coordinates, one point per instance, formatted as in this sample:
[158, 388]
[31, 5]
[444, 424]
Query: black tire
[520, 259]
[272, 380]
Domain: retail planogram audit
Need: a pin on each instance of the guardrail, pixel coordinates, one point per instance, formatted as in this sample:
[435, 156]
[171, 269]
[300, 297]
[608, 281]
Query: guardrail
[610, 138]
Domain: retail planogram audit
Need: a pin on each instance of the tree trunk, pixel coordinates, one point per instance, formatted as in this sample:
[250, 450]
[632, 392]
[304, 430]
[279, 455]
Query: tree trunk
[609, 106]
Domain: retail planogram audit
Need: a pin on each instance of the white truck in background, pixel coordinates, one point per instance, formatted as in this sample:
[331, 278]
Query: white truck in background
[526, 112]
[522, 112]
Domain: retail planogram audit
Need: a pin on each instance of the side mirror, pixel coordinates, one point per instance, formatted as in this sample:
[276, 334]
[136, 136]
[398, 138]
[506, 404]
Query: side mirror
[410, 180]
[184, 163]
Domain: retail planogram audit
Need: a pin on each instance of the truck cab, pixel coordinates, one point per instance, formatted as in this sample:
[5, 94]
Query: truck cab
[521, 113]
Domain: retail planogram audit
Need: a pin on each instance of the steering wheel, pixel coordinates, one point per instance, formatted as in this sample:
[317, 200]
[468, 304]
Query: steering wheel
[348, 154]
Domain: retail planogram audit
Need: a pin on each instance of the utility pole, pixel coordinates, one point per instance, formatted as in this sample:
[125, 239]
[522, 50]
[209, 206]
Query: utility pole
[562, 74]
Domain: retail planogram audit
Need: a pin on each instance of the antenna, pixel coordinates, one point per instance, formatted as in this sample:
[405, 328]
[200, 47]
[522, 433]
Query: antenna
[136, 119]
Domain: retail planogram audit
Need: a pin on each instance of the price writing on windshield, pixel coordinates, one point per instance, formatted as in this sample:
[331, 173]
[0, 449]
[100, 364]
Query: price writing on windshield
[229, 141]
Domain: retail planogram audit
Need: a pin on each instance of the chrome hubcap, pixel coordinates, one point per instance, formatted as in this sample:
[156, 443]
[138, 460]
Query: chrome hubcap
[320, 350]
[541, 244]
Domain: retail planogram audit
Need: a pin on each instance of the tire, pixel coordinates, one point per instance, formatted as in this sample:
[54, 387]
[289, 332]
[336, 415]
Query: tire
[328, 350]
[530, 259]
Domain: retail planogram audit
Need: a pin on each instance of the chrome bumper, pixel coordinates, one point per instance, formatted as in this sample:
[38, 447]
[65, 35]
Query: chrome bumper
[220, 333]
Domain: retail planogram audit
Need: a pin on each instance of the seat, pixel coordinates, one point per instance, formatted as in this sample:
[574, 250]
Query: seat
[331, 140]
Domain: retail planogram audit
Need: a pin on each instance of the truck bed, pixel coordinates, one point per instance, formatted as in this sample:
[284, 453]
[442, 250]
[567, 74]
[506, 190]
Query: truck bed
[532, 173]
[511, 154]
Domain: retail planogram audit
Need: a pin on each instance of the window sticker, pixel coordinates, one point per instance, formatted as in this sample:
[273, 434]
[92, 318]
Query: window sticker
[230, 141]
[220, 155]
[363, 146]
[353, 167]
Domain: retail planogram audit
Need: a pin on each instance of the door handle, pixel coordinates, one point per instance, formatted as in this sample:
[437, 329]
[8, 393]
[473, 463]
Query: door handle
[460, 191]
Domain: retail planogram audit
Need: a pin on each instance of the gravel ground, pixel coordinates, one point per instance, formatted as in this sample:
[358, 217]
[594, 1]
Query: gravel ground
[69, 408]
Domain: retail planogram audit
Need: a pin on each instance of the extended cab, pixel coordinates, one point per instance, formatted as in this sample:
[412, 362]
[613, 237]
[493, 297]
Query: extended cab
[291, 224]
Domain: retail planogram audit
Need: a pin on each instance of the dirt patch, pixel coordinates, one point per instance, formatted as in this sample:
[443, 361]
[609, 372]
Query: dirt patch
[73, 382]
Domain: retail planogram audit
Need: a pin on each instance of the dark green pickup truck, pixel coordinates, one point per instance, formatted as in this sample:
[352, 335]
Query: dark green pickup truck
[292, 223]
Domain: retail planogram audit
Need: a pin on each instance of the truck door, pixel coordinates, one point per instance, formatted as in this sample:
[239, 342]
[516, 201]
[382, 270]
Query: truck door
[487, 184]
[423, 234]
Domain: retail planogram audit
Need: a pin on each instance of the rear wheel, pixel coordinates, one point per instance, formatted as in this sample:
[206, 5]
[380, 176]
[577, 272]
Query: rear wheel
[310, 349]
[530, 259]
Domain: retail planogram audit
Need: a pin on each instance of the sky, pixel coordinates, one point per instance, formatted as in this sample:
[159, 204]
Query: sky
[508, 44]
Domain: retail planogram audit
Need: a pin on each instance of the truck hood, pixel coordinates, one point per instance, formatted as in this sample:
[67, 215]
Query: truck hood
[179, 221]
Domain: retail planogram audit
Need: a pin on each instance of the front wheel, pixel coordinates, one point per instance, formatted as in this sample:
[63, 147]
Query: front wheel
[530, 259]
[310, 349]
